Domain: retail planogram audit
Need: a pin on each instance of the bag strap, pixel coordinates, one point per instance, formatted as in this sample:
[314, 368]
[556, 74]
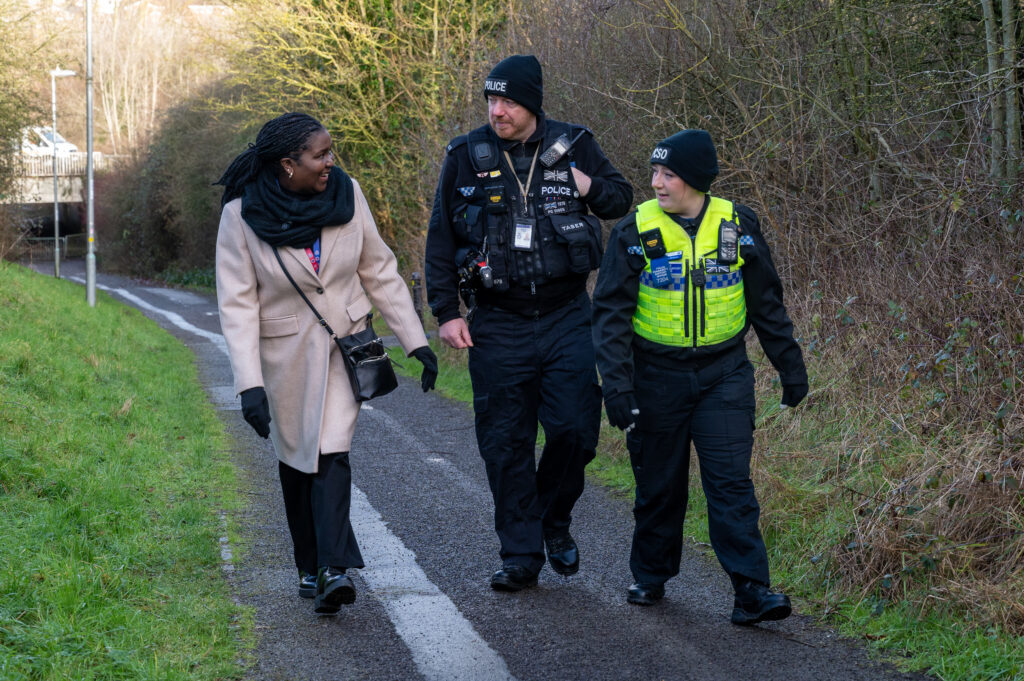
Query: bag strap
[323, 322]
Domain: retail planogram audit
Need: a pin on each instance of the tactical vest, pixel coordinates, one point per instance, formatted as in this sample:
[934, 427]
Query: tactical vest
[557, 237]
[672, 307]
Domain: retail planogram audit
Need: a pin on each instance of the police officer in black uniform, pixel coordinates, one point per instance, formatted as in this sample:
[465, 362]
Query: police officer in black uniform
[683, 279]
[513, 234]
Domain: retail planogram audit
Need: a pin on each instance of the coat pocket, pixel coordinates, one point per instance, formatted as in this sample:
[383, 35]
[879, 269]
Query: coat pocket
[359, 308]
[273, 327]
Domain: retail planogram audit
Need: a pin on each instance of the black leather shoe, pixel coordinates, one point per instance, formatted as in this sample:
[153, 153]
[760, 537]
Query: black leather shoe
[513, 578]
[563, 553]
[645, 594]
[333, 589]
[755, 602]
[307, 584]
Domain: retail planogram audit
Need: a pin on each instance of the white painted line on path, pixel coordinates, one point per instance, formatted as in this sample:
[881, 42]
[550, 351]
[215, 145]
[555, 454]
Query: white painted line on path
[444, 645]
[172, 317]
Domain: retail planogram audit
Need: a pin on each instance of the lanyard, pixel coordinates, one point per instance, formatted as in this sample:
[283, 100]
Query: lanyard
[314, 256]
[529, 177]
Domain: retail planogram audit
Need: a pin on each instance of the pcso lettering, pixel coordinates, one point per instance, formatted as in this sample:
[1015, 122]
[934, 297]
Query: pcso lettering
[660, 154]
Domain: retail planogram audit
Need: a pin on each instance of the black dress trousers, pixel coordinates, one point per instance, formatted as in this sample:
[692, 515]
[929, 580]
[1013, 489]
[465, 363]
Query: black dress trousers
[317, 506]
[713, 408]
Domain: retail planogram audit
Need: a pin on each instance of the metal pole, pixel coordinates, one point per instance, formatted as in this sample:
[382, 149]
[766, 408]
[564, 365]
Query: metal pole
[90, 258]
[56, 196]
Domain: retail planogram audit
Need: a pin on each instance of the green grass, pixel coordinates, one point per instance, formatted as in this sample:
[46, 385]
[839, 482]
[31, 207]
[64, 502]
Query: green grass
[113, 474]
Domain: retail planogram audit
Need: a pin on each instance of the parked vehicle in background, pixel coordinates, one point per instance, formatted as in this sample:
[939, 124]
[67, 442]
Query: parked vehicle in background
[39, 141]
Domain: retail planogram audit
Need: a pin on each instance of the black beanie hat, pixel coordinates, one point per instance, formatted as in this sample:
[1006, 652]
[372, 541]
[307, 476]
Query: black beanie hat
[518, 78]
[690, 154]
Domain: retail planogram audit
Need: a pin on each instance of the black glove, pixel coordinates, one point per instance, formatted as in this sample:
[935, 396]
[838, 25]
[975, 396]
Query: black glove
[428, 359]
[256, 410]
[622, 410]
[792, 395]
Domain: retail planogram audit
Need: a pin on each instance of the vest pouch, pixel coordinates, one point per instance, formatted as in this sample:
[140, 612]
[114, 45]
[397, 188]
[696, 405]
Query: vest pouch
[581, 236]
[468, 223]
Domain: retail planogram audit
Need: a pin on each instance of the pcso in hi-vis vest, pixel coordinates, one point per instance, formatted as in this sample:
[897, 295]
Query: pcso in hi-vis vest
[514, 233]
[682, 280]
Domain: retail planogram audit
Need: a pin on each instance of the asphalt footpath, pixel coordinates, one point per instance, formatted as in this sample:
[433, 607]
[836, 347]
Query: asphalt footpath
[423, 515]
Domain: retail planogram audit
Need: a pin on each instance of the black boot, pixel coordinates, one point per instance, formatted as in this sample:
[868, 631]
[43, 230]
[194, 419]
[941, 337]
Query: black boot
[333, 589]
[307, 584]
[563, 553]
[755, 602]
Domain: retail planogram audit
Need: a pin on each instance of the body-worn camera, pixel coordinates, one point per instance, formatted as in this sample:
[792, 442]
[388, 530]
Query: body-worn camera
[474, 272]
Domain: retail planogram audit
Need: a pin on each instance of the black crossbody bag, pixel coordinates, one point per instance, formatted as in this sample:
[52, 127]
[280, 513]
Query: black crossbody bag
[368, 365]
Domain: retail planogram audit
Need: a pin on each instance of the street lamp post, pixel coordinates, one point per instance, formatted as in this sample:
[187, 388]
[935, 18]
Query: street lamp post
[54, 75]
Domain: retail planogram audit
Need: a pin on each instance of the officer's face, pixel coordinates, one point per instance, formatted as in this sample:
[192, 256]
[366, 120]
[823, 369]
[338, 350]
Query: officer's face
[510, 119]
[310, 172]
[669, 189]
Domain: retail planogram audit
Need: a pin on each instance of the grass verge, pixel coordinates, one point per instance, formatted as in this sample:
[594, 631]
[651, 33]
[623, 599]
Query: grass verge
[113, 478]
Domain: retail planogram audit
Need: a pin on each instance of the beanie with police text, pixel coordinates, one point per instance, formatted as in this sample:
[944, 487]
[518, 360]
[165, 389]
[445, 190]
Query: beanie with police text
[518, 78]
[690, 154]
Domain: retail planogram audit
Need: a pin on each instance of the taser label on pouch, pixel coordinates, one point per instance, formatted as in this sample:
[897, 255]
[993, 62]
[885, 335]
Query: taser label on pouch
[728, 240]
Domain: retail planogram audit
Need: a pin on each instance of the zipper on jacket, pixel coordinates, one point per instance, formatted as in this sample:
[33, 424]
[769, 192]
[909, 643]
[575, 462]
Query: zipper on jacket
[693, 287]
[703, 309]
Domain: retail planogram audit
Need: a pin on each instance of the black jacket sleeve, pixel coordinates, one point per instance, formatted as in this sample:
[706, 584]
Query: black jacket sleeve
[442, 276]
[610, 194]
[615, 296]
[765, 310]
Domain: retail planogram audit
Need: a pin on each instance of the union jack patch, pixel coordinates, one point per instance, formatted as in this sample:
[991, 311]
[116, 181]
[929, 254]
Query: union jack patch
[556, 175]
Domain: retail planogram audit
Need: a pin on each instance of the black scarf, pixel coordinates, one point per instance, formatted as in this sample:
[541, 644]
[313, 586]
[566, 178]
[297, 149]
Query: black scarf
[282, 218]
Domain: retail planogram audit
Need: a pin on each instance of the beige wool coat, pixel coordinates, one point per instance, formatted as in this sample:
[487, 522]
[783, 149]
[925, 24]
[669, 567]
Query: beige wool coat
[275, 341]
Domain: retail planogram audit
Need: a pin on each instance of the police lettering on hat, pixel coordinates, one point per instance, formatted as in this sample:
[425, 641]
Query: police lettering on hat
[520, 79]
[691, 155]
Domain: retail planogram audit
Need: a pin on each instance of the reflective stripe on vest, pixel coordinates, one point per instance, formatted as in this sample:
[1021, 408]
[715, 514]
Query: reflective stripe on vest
[681, 314]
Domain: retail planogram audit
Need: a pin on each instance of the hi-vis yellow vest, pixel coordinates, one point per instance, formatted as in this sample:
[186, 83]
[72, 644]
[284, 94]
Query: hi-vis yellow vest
[682, 314]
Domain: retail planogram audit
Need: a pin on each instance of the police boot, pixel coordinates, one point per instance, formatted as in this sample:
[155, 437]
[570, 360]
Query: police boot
[755, 602]
[563, 554]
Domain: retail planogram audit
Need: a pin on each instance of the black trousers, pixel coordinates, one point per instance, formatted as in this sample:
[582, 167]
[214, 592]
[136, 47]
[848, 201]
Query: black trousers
[317, 506]
[523, 370]
[712, 407]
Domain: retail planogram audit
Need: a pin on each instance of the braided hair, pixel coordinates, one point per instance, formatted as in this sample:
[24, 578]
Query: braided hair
[286, 135]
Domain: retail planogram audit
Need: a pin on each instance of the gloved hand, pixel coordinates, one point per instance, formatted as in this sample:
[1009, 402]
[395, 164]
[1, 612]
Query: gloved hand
[428, 359]
[792, 395]
[622, 411]
[256, 410]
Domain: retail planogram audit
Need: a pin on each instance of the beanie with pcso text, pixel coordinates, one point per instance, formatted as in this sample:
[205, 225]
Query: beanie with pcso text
[690, 154]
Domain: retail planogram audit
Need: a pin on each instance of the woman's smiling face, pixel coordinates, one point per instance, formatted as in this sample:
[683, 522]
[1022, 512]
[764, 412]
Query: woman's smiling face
[309, 172]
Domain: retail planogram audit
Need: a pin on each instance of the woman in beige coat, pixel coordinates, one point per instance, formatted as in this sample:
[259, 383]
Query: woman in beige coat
[284, 193]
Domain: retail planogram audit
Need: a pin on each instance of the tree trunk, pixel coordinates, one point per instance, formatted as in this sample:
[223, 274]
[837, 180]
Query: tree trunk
[996, 100]
[1013, 157]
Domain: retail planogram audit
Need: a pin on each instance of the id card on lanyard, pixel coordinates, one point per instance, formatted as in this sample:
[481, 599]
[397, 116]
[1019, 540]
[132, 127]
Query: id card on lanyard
[524, 227]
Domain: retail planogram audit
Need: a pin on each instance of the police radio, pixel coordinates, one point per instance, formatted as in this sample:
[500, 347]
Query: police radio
[728, 242]
[559, 148]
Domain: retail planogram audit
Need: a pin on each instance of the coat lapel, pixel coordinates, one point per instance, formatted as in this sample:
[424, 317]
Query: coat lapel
[299, 255]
